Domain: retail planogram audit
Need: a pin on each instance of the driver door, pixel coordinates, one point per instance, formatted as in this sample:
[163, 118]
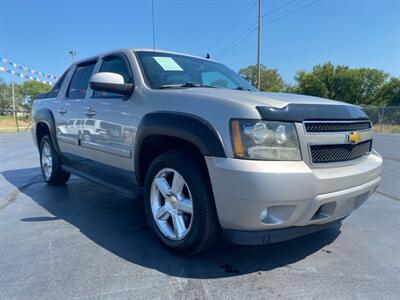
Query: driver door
[109, 133]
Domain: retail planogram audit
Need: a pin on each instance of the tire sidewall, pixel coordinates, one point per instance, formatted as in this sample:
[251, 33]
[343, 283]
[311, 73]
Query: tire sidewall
[165, 161]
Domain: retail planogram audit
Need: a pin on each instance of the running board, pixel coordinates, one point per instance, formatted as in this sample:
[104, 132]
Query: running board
[124, 192]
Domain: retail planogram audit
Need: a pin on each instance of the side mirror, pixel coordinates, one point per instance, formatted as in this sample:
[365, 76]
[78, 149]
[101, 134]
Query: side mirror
[110, 82]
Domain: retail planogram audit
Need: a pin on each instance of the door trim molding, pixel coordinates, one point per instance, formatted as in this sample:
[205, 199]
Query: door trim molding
[127, 153]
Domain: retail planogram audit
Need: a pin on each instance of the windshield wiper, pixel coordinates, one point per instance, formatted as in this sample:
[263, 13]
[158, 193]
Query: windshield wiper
[239, 88]
[185, 85]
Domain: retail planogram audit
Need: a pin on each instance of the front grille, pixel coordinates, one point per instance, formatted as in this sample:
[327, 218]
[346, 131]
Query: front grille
[336, 126]
[339, 153]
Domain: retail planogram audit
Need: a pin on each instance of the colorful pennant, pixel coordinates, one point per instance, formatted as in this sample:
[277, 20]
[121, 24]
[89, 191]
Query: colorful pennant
[24, 76]
[25, 69]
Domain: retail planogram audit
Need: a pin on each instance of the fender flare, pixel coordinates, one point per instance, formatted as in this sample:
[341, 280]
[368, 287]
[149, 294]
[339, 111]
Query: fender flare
[184, 126]
[45, 116]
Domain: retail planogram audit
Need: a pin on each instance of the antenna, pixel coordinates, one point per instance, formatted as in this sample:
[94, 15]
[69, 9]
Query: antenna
[259, 47]
[154, 35]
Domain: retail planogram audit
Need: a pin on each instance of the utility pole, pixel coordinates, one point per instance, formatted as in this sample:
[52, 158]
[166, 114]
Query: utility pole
[13, 105]
[73, 54]
[259, 47]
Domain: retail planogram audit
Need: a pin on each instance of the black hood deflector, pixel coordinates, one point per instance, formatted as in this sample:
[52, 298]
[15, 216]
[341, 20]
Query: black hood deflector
[315, 112]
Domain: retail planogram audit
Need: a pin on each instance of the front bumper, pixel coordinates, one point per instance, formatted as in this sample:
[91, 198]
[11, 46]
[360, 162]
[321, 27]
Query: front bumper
[265, 195]
[263, 237]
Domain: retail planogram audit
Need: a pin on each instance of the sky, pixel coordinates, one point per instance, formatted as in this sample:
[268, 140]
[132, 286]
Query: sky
[296, 34]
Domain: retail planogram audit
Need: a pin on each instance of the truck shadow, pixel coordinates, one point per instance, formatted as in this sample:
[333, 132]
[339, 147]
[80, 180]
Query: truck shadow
[118, 225]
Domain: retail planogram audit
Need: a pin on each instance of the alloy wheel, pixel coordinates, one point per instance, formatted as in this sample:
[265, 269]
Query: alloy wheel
[47, 160]
[171, 204]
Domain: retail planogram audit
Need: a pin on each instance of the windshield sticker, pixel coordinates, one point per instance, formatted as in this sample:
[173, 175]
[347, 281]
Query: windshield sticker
[167, 63]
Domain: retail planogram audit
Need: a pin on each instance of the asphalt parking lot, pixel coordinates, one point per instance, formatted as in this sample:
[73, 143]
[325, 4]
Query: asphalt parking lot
[82, 241]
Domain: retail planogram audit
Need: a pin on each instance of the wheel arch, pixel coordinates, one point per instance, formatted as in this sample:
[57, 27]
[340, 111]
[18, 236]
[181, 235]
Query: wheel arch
[162, 131]
[44, 117]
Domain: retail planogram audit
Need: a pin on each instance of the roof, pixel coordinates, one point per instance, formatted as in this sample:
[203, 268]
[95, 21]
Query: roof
[140, 49]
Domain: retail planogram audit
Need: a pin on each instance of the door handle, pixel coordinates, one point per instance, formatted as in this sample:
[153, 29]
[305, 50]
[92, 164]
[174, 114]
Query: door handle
[90, 112]
[62, 111]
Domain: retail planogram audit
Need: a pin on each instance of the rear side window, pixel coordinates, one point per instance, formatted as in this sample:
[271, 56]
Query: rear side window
[114, 64]
[80, 81]
[89, 122]
[57, 87]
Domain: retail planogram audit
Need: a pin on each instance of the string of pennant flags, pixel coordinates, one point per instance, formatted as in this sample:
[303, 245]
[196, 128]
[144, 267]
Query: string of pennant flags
[24, 76]
[16, 68]
[25, 69]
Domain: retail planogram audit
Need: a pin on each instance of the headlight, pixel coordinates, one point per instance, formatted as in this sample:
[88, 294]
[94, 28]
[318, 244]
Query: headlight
[265, 140]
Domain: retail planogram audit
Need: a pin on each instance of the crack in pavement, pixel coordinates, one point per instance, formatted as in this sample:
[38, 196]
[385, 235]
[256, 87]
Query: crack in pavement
[391, 158]
[388, 195]
[12, 197]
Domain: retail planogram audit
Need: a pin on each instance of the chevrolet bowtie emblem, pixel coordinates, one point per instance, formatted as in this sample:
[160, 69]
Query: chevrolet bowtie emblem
[354, 137]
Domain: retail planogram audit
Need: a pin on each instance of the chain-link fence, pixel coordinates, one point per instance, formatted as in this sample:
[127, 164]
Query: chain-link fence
[384, 119]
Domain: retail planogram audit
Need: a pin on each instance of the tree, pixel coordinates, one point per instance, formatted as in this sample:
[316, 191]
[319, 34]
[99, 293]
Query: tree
[5, 96]
[271, 80]
[389, 93]
[32, 89]
[27, 88]
[359, 86]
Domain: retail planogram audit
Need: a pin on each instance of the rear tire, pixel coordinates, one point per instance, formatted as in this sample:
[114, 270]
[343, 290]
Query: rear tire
[50, 163]
[190, 201]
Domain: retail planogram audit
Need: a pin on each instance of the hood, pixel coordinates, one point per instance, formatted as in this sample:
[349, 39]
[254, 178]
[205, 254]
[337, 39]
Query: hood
[274, 100]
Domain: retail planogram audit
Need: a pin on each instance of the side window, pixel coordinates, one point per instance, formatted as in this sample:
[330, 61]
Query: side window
[217, 79]
[80, 81]
[56, 88]
[114, 64]
[89, 122]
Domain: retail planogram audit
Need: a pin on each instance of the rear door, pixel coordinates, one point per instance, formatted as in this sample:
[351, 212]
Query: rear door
[71, 113]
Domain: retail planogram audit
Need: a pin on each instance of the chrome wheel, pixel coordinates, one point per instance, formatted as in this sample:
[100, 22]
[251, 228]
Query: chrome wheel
[171, 204]
[47, 160]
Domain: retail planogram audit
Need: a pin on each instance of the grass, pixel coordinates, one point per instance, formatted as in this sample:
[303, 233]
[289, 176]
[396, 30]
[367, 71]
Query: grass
[387, 128]
[7, 124]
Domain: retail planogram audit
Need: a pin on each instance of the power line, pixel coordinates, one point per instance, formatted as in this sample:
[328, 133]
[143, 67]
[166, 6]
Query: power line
[243, 37]
[253, 27]
[226, 32]
[277, 9]
[236, 42]
[292, 12]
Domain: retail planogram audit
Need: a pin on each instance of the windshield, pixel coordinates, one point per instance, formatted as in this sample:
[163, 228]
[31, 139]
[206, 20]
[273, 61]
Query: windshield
[165, 70]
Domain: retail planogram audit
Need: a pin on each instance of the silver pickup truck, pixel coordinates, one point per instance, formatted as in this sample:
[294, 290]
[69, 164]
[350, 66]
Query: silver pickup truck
[210, 155]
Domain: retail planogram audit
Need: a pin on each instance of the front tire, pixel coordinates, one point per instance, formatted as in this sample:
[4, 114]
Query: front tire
[50, 163]
[179, 203]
